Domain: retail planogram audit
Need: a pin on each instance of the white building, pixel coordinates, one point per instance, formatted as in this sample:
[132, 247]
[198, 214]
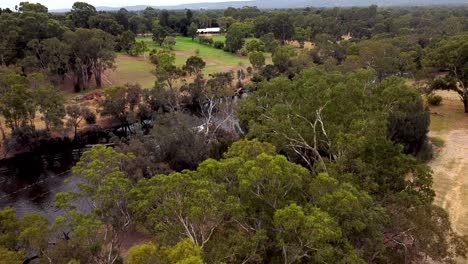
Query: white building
[216, 30]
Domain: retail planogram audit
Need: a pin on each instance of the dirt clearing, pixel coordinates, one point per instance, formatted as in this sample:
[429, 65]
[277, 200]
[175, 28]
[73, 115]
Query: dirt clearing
[450, 163]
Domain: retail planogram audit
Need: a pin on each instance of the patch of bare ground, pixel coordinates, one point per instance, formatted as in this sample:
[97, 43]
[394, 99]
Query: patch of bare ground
[450, 164]
[130, 239]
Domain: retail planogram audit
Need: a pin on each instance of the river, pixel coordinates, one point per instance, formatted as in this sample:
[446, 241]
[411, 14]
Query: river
[29, 182]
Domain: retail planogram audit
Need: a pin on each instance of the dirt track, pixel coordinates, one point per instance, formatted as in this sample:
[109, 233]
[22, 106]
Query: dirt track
[451, 177]
[450, 164]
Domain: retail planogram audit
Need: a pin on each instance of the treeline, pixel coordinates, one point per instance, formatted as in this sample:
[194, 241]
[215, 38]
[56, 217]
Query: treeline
[322, 162]
[329, 183]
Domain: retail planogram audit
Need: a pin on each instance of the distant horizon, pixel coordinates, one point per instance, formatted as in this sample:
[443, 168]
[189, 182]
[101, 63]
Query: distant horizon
[67, 4]
[113, 5]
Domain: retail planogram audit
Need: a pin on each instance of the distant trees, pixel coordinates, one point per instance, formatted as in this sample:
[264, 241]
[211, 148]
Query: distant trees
[106, 23]
[192, 30]
[138, 48]
[194, 65]
[159, 32]
[80, 14]
[282, 26]
[451, 55]
[126, 41]
[169, 43]
[235, 36]
[75, 115]
[255, 45]
[257, 59]
[91, 52]
[282, 56]
[50, 104]
[122, 103]
[21, 98]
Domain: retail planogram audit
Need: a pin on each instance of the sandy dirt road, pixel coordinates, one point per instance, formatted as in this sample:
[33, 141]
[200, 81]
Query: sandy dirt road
[450, 168]
[450, 162]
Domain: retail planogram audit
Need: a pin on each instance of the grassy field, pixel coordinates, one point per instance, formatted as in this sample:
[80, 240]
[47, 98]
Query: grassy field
[138, 69]
[448, 116]
[216, 59]
[131, 70]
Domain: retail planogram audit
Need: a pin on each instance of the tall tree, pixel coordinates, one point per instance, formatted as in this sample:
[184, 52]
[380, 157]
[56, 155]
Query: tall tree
[451, 55]
[122, 103]
[50, 104]
[235, 36]
[282, 26]
[80, 14]
[192, 30]
[159, 32]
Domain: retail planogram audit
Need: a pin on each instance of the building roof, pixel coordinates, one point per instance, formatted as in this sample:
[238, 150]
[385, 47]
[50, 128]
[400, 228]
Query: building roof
[209, 30]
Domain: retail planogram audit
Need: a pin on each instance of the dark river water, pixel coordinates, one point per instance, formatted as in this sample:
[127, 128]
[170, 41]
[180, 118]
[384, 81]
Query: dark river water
[30, 181]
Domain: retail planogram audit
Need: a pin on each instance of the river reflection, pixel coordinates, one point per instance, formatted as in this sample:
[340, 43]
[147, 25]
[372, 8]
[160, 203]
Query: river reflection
[29, 182]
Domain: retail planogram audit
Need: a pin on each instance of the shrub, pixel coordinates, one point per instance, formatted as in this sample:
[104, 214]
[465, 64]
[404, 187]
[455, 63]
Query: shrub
[89, 116]
[437, 141]
[434, 99]
[169, 42]
[218, 44]
[426, 153]
[243, 52]
[205, 41]
[255, 45]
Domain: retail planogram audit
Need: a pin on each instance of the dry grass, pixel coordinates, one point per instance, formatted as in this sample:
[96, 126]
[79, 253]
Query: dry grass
[449, 124]
[131, 70]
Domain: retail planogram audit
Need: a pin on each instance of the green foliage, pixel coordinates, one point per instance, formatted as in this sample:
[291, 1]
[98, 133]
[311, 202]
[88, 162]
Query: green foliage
[236, 35]
[16, 103]
[257, 59]
[307, 235]
[81, 13]
[126, 41]
[106, 184]
[122, 103]
[282, 56]
[271, 44]
[408, 120]
[192, 30]
[50, 104]
[169, 43]
[300, 34]
[106, 23]
[255, 45]
[218, 44]
[451, 54]
[138, 48]
[92, 52]
[75, 114]
[184, 252]
[159, 32]
[194, 65]
[282, 26]
[434, 99]
[143, 254]
[11, 257]
[166, 72]
[438, 142]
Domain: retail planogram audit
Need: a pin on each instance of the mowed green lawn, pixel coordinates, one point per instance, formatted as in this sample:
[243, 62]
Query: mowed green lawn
[138, 69]
[216, 59]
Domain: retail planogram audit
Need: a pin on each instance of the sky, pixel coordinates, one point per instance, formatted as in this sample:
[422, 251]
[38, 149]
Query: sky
[57, 4]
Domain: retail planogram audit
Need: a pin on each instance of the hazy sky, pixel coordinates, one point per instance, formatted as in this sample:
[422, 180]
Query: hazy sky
[56, 4]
